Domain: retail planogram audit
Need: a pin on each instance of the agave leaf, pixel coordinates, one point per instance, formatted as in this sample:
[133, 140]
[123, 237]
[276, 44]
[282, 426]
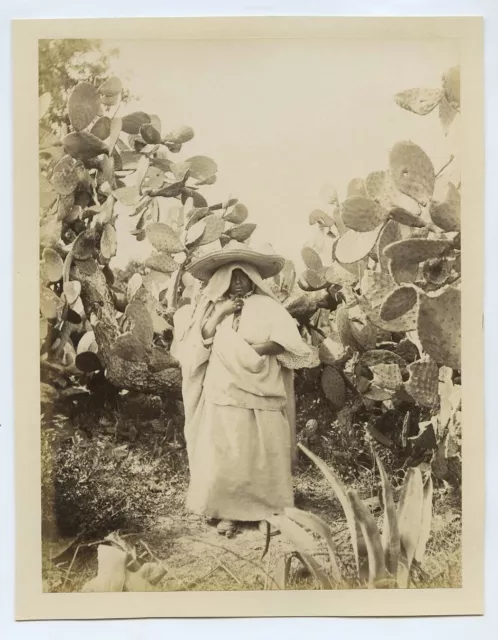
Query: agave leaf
[371, 535]
[357, 539]
[426, 520]
[305, 545]
[390, 531]
[315, 523]
[410, 512]
[281, 573]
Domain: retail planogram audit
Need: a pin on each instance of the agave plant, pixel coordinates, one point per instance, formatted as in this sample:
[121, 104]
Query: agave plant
[384, 556]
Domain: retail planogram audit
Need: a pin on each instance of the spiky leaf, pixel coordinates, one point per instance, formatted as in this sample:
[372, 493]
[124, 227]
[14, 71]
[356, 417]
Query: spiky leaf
[305, 545]
[426, 520]
[357, 539]
[390, 530]
[410, 512]
[315, 524]
[376, 561]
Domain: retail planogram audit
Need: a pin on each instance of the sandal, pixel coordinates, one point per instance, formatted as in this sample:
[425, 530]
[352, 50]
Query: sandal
[227, 528]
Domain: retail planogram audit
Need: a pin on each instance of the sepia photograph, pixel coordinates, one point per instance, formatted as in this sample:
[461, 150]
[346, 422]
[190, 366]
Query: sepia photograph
[250, 313]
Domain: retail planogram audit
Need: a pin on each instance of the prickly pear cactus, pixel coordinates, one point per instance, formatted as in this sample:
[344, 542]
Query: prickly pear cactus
[393, 247]
[106, 165]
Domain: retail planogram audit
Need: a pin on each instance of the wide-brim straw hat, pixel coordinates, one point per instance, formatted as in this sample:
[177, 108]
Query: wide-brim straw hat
[267, 264]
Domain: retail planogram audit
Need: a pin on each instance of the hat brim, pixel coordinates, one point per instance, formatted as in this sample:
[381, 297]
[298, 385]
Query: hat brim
[267, 265]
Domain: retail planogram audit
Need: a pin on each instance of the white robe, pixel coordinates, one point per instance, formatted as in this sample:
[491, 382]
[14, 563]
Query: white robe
[239, 412]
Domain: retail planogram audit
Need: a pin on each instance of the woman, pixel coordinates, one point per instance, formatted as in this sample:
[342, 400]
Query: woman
[238, 393]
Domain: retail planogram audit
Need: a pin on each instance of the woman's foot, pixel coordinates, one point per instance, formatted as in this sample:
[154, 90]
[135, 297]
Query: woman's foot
[226, 528]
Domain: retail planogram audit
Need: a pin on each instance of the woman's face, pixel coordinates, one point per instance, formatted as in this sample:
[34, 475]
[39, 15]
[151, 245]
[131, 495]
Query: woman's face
[240, 283]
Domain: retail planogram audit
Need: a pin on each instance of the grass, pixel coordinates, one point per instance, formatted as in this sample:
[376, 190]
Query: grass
[154, 476]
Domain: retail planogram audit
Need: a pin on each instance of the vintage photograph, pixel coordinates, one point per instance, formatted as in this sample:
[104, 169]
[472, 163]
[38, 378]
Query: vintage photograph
[250, 316]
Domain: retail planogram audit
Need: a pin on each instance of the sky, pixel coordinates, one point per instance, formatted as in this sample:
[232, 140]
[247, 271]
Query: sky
[285, 120]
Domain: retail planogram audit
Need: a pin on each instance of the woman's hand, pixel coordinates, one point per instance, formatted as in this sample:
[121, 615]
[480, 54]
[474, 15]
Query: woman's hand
[221, 311]
[228, 307]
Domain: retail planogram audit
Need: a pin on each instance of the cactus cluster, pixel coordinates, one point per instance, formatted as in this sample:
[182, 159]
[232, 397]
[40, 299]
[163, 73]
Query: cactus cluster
[104, 166]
